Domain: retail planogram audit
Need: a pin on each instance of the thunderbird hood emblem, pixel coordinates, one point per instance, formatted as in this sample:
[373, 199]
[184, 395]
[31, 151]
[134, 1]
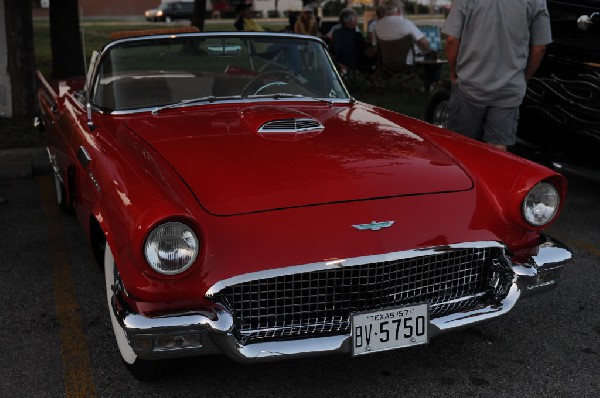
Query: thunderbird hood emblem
[374, 225]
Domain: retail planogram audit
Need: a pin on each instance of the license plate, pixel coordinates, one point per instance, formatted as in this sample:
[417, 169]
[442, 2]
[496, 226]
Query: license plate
[389, 329]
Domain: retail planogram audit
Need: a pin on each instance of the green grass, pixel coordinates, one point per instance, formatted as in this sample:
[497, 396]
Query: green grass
[19, 133]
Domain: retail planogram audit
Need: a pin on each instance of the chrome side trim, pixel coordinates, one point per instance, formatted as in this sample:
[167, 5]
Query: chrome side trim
[347, 262]
[54, 165]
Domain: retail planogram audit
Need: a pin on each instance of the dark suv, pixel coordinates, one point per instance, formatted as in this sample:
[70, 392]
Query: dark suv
[560, 115]
[170, 11]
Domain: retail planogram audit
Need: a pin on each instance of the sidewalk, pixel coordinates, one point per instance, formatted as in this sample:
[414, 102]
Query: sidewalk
[23, 163]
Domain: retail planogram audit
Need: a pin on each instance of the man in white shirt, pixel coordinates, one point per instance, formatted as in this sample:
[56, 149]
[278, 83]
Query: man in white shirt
[380, 12]
[394, 26]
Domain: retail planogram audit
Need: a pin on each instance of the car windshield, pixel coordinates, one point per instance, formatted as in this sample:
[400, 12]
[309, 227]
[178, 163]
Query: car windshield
[147, 73]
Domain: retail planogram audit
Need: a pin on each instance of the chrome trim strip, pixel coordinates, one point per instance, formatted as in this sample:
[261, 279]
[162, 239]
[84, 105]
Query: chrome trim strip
[114, 43]
[348, 262]
[236, 101]
[54, 165]
[281, 350]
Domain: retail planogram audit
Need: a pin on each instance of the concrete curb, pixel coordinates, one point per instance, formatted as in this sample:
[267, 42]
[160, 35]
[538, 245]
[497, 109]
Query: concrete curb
[23, 163]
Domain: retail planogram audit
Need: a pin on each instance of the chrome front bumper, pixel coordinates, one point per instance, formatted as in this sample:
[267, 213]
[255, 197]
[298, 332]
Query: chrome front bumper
[210, 332]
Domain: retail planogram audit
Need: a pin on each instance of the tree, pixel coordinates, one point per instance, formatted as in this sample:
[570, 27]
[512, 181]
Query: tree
[21, 59]
[199, 14]
[67, 52]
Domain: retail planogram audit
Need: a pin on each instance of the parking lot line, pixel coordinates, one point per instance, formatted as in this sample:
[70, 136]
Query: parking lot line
[588, 247]
[579, 244]
[77, 370]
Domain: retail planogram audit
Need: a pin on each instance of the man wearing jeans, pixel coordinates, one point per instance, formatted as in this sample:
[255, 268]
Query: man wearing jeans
[494, 47]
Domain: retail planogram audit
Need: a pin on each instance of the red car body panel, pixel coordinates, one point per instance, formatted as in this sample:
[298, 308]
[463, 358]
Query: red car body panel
[359, 155]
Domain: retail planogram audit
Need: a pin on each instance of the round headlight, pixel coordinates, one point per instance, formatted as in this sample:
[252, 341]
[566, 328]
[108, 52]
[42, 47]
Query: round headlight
[541, 204]
[171, 248]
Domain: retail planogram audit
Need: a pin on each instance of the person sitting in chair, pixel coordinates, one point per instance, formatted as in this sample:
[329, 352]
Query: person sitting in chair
[349, 47]
[307, 23]
[244, 19]
[380, 12]
[394, 26]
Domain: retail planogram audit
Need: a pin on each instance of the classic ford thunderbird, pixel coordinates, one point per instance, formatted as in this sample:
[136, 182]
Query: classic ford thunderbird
[241, 202]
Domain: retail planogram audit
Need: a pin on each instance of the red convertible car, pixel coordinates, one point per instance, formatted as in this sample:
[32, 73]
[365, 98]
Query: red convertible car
[241, 202]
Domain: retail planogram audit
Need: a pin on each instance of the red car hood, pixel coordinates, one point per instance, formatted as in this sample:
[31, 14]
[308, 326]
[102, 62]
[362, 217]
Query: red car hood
[358, 155]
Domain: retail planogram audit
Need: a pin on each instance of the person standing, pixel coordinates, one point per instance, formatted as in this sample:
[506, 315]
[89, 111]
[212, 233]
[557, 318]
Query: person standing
[493, 47]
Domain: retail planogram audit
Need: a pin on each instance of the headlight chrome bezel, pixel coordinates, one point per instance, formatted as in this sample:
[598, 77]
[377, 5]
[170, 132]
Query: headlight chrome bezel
[175, 238]
[541, 204]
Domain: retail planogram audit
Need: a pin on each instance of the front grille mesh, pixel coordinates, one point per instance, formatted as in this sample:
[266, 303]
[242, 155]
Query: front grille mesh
[321, 302]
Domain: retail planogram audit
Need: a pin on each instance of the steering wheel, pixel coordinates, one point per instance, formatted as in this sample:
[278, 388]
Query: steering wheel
[286, 78]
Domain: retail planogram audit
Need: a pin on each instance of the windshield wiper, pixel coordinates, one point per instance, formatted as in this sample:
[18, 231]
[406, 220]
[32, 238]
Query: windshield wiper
[287, 95]
[190, 101]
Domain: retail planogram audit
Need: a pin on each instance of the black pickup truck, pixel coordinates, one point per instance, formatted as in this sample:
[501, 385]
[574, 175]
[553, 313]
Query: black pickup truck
[560, 114]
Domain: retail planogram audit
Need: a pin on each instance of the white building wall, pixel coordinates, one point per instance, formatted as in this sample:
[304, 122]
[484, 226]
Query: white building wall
[265, 6]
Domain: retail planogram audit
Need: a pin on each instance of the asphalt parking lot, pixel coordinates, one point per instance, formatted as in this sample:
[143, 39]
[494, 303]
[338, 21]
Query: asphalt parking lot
[55, 336]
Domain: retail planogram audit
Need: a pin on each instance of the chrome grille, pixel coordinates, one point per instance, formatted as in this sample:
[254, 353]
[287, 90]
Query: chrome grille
[321, 302]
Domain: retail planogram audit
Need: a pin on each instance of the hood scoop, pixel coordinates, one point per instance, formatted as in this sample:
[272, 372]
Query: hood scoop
[290, 129]
[281, 124]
